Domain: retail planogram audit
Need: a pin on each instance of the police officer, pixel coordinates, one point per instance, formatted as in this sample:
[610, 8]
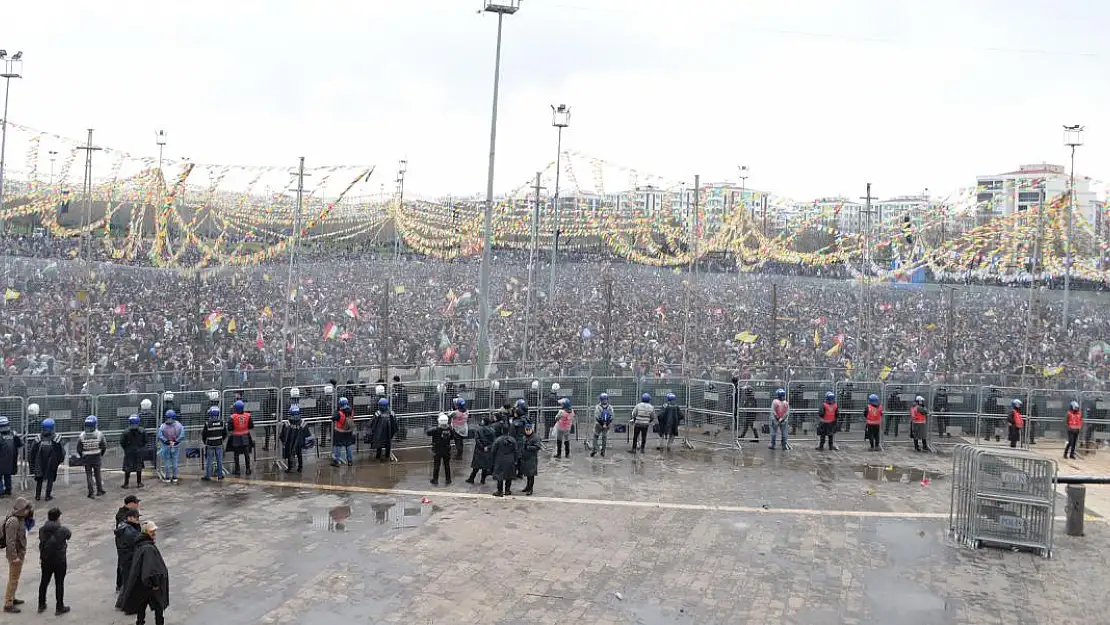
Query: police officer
[241, 440]
[827, 419]
[441, 447]
[214, 433]
[45, 454]
[91, 447]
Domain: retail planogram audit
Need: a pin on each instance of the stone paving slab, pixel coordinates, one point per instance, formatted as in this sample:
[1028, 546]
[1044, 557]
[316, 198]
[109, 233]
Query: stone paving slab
[822, 539]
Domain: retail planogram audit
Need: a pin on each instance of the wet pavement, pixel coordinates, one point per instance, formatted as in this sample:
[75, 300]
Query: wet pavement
[689, 536]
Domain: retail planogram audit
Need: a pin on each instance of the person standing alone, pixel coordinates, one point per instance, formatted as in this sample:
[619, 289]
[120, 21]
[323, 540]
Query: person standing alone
[53, 540]
[15, 549]
[148, 581]
[91, 447]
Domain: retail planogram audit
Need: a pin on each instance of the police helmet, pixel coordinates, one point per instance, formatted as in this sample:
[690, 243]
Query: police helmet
[830, 396]
[1016, 404]
[602, 398]
[134, 419]
[171, 415]
[90, 421]
[48, 425]
[239, 406]
[145, 404]
[780, 393]
[383, 403]
[646, 398]
[671, 397]
[873, 399]
[344, 402]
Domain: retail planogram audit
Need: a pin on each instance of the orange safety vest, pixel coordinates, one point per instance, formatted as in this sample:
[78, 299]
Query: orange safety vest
[1075, 420]
[1018, 420]
[829, 413]
[874, 415]
[240, 424]
[916, 414]
[341, 422]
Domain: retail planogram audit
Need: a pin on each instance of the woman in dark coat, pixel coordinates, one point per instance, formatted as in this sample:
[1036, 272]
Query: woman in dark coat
[505, 453]
[133, 442]
[482, 460]
[148, 583]
[530, 457]
[383, 427]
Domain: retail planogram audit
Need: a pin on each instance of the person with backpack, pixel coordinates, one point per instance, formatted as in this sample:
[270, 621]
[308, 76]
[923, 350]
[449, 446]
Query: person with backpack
[14, 538]
[53, 540]
[603, 420]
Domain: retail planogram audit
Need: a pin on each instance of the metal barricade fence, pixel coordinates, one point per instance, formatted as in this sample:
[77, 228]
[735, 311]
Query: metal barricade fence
[574, 388]
[318, 406]
[67, 411]
[851, 398]
[112, 412]
[753, 406]
[421, 403]
[710, 413]
[192, 412]
[624, 393]
[955, 411]
[995, 402]
[1047, 416]
[805, 398]
[897, 399]
[262, 404]
[15, 409]
[1096, 421]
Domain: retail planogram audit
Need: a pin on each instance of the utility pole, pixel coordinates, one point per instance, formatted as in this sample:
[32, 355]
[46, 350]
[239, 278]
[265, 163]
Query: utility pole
[865, 283]
[290, 334]
[53, 156]
[385, 328]
[531, 268]
[1073, 138]
[691, 282]
[402, 168]
[1033, 282]
[774, 321]
[86, 239]
[560, 119]
[950, 333]
[609, 346]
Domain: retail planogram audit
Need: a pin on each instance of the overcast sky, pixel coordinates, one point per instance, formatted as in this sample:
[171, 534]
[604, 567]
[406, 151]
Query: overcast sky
[816, 97]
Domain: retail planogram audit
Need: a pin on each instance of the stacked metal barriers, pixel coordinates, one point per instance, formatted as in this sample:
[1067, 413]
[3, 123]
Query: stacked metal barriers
[1002, 497]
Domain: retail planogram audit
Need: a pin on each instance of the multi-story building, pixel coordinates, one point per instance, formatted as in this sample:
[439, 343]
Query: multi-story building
[1017, 191]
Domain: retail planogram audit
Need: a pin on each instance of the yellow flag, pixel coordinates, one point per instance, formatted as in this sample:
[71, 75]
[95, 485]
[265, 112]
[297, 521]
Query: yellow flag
[746, 337]
[506, 313]
[885, 373]
[1053, 371]
[269, 312]
[816, 339]
[834, 350]
[10, 295]
[112, 329]
[399, 289]
[231, 325]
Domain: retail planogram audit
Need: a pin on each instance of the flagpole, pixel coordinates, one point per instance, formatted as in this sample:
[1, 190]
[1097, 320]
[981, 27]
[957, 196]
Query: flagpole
[294, 236]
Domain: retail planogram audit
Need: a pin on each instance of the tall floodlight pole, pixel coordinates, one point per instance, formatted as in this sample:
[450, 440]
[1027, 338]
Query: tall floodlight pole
[12, 69]
[531, 269]
[402, 168]
[294, 239]
[160, 141]
[1073, 138]
[560, 118]
[743, 189]
[53, 156]
[501, 8]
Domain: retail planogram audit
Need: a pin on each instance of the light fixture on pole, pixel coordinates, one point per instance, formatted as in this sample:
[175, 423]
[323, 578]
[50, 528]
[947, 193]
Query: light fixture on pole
[560, 118]
[743, 189]
[501, 8]
[1073, 138]
[160, 139]
[13, 68]
[53, 156]
[402, 167]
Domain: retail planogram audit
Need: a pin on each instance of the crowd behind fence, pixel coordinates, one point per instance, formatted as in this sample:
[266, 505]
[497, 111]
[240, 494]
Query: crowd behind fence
[717, 413]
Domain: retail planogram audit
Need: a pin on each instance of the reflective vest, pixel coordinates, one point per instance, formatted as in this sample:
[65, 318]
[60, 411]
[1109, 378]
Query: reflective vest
[828, 415]
[874, 415]
[1075, 420]
[1017, 420]
[240, 424]
[341, 422]
[917, 415]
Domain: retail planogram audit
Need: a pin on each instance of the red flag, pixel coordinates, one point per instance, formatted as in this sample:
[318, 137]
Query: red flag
[352, 311]
[330, 331]
[121, 310]
[258, 342]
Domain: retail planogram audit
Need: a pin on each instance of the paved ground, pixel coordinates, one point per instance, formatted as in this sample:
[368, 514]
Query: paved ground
[691, 537]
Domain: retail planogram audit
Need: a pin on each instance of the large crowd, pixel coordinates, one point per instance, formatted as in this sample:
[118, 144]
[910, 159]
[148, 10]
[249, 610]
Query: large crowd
[68, 318]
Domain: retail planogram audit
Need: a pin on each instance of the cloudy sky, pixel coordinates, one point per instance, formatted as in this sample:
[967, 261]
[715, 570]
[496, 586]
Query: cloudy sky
[816, 97]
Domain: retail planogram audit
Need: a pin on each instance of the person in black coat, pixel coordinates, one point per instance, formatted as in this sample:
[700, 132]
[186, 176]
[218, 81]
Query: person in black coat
[441, 447]
[133, 442]
[482, 460]
[148, 583]
[383, 427]
[45, 456]
[10, 443]
[127, 532]
[506, 454]
[293, 436]
[530, 457]
[53, 541]
[669, 419]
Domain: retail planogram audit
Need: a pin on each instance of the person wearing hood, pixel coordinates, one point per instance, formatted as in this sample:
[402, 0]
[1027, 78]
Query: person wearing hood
[133, 442]
[292, 437]
[53, 540]
[91, 447]
[214, 434]
[46, 455]
[10, 444]
[530, 457]
[148, 579]
[16, 526]
[170, 435]
[506, 453]
[670, 417]
[126, 532]
[383, 427]
[482, 459]
[442, 435]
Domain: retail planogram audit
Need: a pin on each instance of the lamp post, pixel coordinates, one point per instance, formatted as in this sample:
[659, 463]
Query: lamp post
[560, 118]
[1073, 138]
[743, 189]
[501, 8]
[13, 67]
[160, 139]
[53, 156]
[402, 167]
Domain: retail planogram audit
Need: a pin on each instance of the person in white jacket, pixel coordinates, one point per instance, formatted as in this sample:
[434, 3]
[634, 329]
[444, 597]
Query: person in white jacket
[643, 414]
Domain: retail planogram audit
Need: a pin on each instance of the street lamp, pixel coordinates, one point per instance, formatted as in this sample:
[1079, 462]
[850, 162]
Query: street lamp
[13, 68]
[501, 8]
[1073, 138]
[53, 155]
[402, 167]
[560, 118]
[160, 139]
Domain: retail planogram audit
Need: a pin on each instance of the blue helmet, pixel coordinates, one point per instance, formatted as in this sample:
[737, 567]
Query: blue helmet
[383, 403]
[214, 413]
[134, 419]
[171, 415]
[344, 402]
[602, 398]
[830, 397]
[521, 404]
[1016, 404]
[873, 399]
[294, 412]
[671, 397]
[565, 403]
[646, 398]
[90, 421]
[780, 394]
[48, 425]
[238, 406]
[3, 422]
[1074, 405]
[460, 403]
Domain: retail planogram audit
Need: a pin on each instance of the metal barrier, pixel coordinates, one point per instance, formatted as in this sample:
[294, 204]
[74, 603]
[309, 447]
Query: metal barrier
[805, 398]
[995, 409]
[851, 397]
[753, 406]
[422, 402]
[955, 411]
[574, 388]
[112, 412]
[897, 401]
[1047, 417]
[710, 413]
[1096, 421]
[192, 412]
[318, 406]
[262, 403]
[624, 393]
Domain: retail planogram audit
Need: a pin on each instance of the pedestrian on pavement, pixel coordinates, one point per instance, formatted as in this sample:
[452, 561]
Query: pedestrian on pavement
[127, 533]
[133, 442]
[530, 457]
[148, 581]
[482, 459]
[9, 456]
[53, 540]
[91, 447]
[442, 435]
[15, 548]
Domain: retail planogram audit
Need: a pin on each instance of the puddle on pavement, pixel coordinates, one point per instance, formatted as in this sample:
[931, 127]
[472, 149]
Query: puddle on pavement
[397, 514]
[895, 473]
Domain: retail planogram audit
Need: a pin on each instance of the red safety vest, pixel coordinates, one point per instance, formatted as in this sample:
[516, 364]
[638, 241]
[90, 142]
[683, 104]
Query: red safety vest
[1075, 420]
[240, 424]
[828, 415]
[341, 422]
[874, 415]
[916, 414]
[1018, 420]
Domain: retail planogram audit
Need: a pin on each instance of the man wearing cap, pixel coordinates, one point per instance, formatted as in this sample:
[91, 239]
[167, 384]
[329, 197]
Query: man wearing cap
[127, 532]
[148, 580]
[9, 456]
[15, 539]
[130, 502]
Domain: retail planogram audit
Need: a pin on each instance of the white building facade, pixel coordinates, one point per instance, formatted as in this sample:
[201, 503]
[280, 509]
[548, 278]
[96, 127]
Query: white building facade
[1018, 191]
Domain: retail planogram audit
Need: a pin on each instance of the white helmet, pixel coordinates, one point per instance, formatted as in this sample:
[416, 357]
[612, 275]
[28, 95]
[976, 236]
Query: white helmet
[494, 385]
[145, 404]
[919, 399]
[443, 419]
[379, 389]
[555, 387]
[32, 410]
[329, 389]
[535, 385]
[213, 395]
[167, 396]
[440, 387]
[295, 392]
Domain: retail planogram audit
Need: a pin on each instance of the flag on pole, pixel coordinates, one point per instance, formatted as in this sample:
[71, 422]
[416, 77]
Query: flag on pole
[330, 331]
[212, 321]
[10, 295]
[746, 337]
[120, 310]
[352, 311]
[231, 326]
